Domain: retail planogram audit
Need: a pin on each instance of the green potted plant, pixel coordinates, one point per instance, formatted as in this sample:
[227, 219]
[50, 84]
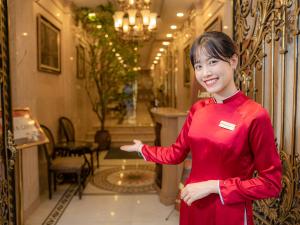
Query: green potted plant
[112, 63]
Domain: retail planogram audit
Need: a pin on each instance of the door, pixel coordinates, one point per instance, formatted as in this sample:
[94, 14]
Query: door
[7, 148]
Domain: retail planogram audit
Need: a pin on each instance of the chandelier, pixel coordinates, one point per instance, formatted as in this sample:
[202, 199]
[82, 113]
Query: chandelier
[134, 21]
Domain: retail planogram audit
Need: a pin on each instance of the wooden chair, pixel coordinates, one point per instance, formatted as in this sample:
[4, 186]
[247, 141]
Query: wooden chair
[62, 165]
[68, 142]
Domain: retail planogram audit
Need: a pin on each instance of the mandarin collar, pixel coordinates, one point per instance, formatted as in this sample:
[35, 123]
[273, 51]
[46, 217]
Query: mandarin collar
[237, 97]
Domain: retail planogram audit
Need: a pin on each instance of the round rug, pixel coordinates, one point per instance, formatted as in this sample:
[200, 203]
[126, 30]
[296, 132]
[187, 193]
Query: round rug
[126, 179]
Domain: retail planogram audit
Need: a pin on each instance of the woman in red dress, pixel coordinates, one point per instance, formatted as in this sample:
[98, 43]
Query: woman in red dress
[230, 137]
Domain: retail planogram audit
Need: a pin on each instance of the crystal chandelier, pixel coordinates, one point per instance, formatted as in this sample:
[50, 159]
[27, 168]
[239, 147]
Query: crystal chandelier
[134, 21]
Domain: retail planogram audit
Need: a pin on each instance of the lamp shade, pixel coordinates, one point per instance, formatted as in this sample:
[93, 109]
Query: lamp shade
[125, 25]
[152, 23]
[131, 16]
[118, 19]
[146, 16]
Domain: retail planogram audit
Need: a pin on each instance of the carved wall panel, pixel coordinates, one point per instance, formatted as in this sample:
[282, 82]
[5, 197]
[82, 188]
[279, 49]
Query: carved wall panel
[267, 34]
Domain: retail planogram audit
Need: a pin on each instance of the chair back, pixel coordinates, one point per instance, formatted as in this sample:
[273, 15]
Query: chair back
[66, 128]
[48, 147]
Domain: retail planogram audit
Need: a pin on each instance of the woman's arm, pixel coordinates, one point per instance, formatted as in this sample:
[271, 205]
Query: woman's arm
[175, 153]
[266, 161]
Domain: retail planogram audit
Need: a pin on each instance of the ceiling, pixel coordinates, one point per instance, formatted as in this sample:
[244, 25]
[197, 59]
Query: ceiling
[166, 11]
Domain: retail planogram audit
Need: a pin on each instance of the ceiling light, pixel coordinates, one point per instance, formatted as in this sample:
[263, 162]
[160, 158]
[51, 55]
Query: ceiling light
[157, 58]
[209, 14]
[161, 49]
[169, 35]
[154, 62]
[179, 14]
[134, 20]
[173, 27]
[225, 27]
[92, 16]
[99, 26]
[166, 43]
[158, 54]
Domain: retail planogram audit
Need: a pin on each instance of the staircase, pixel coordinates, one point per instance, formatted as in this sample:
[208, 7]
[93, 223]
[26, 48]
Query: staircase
[123, 134]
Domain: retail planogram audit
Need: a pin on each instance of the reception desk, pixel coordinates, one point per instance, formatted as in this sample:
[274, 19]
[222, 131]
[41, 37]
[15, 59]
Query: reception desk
[171, 121]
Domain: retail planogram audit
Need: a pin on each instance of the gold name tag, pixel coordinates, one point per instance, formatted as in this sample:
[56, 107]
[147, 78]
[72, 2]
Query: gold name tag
[226, 125]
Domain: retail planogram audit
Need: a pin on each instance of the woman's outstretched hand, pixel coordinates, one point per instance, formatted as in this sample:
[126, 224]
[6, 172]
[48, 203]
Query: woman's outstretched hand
[132, 148]
[195, 191]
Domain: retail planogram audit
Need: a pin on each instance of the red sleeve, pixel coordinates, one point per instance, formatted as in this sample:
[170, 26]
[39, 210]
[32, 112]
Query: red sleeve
[266, 161]
[175, 153]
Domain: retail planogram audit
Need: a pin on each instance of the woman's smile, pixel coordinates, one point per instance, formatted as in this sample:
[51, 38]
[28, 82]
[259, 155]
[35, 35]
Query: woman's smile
[211, 82]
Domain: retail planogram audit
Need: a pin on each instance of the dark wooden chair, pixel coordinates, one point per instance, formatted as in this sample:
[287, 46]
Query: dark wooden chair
[68, 142]
[62, 164]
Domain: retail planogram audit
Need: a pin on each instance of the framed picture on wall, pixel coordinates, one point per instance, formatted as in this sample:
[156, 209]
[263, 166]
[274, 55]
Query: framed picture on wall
[215, 25]
[80, 61]
[186, 66]
[49, 46]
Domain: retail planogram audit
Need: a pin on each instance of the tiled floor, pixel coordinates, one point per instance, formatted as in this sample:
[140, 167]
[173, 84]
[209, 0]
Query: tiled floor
[107, 208]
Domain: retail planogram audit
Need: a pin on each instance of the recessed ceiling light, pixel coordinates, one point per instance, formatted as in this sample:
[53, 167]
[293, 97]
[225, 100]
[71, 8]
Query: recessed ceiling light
[173, 27]
[166, 43]
[157, 58]
[209, 14]
[169, 35]
[99, 26]
[225, 27]
[161, 49]
[159, 54]
[154, 62]
[92, 16]
[179, 14]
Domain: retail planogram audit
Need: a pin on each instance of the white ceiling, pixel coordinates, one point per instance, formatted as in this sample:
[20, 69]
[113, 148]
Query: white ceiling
[166, 10]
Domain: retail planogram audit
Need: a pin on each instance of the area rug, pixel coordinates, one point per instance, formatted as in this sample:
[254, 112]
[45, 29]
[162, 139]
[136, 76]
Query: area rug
[126, 179]
[61, 205]
[116, 153]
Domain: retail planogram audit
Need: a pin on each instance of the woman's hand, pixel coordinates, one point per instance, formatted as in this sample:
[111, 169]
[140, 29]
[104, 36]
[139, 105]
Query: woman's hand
[195, 191]
[132, 148]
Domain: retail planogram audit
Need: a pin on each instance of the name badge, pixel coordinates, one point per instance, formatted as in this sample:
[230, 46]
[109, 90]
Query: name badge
[226, 125]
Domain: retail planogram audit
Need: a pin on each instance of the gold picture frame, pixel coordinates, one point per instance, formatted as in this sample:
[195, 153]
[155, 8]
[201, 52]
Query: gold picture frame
[49, 46]
[186, 66]
[80, 62]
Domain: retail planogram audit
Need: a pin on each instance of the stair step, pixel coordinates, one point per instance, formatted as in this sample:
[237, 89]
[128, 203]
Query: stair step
[91, 135]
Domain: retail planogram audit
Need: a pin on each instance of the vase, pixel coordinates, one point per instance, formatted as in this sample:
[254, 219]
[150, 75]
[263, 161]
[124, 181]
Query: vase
[103, 139]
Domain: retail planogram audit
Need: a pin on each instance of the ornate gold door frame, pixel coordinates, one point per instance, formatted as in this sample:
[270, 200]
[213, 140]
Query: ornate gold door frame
[7, 149]
[267, 34]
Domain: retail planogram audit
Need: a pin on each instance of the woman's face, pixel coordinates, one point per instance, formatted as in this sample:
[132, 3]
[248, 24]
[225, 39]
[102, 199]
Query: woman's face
[215, 75]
